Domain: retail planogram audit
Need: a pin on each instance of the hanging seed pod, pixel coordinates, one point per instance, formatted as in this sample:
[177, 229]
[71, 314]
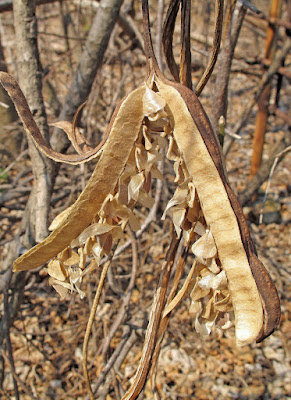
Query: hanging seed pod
[123, 131]
[254, 296]
[204, 201]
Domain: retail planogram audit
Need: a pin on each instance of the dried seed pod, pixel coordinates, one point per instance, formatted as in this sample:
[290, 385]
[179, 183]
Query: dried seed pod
[124, 128]
[254, 297]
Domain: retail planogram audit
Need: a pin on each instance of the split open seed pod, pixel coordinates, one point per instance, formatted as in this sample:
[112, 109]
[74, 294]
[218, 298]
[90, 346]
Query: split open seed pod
[254, 296]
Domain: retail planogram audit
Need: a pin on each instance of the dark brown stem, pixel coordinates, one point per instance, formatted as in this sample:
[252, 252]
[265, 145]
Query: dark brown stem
[215, 48]
[7, 324]
[185, 64]
[154, 323]
[167, 39]
[159, 34]
[224, 66]
[152, 63]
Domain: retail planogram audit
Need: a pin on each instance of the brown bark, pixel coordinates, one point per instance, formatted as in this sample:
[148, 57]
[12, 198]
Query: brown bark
[224, 63]
[29, 77]
[7, 110]
[263, 102]
[185, 56]
[260, 130]
[159, 34]
[35, 217]
[7, 5]
[91, 60]
[273, 69]
[264, 170]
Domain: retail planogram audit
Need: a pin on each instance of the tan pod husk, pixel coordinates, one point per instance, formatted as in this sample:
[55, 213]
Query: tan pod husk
[124, 129]
[214, 195]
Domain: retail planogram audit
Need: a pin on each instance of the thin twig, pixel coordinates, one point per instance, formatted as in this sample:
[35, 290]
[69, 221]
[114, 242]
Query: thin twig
[11, 165]
[6, 326]
[185, 57]
[167, 38]
[275, 65]
[264, 170]
[154, 323]
[92, 318]
[165, 318]
[16, 377]
[128, 24]
[215, 48]
[251, 7]
[122, 311]
[110, 363]
[159, 33]
[129, 337]
[276, 160]
[220, 96]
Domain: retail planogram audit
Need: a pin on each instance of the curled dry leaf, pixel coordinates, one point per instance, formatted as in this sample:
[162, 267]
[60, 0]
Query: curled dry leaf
[205, 247]
[56, 270]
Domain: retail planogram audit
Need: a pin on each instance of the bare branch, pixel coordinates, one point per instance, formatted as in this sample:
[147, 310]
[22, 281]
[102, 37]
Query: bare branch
[90, 62]
[7, 5]
[215, 48]
[224, 66]
[264, 171]
[276, 63]
[30, 80]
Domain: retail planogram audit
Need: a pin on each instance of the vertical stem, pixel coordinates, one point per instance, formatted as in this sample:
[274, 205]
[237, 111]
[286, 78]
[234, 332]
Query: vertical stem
[185, 64]
[215, 47]
[154, 324]
[230, 6]
[167, 40]
[8, 114]
[159, 33]
[7, 324]
[224, 63]
[90, 62]
[65, 28]
[29, 76]
[263, 102]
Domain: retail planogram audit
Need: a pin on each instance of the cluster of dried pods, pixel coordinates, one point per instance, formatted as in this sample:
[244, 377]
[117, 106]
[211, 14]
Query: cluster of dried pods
[160, 116]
